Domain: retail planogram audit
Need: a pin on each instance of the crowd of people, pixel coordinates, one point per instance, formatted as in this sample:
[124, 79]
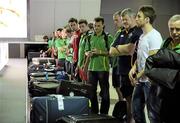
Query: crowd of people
[86, 52]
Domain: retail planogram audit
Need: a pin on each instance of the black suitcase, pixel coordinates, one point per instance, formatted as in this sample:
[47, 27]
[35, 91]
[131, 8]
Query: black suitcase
[75, 88]
[40, 87]
[49, 109]
[93, 118]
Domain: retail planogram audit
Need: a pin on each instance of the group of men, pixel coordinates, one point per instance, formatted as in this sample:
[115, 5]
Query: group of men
[134, 42]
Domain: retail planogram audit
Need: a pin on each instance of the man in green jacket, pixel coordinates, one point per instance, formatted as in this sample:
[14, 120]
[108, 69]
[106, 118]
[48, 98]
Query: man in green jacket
[98, 68]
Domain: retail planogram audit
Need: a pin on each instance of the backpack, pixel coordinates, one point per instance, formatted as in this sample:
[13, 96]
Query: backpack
[105, 34]
[120, 110]
[61, 75]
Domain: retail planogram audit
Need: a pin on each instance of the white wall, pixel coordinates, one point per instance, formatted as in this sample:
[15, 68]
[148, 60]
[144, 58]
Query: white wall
[48, 15]
[3, 54]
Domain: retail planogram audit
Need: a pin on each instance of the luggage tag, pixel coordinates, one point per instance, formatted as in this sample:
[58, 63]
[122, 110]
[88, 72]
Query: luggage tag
[60, 101]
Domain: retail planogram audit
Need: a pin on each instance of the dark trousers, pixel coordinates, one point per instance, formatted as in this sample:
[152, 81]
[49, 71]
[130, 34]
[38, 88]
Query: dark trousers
[68, 67]
[103, 78]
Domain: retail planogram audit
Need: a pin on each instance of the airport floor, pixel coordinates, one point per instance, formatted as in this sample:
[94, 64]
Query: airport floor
[13, 91]
[14, 100]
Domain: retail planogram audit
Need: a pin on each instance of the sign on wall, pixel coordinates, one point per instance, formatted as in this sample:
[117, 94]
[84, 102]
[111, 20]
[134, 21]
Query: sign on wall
[13, 18]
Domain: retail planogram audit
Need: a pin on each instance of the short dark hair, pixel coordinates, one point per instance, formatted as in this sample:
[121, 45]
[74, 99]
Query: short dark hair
[91, 26]
[99, 19]
[73, 20]
[83, 21]
[60, 29]
[45, 37]
[149, 12]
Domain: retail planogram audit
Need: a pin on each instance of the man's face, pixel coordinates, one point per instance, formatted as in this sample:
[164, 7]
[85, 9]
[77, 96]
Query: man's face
[56, 34]
[83, 27]
[117, 21]
[98, 27]
[45, 40]
[69, 34]
[127, 21]
[73, 25]
[59, 34]
[140, 19]
[174, 30]
[63, 33]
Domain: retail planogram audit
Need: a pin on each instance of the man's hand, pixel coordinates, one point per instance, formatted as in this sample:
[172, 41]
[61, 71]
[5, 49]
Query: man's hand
[89, 54]
[96, 51]
[132, 76]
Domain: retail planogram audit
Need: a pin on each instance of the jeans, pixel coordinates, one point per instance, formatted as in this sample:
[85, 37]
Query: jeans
[139, 99]
[103, 78]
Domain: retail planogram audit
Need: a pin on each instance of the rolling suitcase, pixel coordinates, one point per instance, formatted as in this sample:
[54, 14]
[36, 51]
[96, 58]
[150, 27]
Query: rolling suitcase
[75, 88]
[49, 109]
[92, 118]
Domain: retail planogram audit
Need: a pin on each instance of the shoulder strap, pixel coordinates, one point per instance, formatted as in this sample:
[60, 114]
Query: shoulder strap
[106, 39]
[167, 42]
[65, 41]
[88, 38]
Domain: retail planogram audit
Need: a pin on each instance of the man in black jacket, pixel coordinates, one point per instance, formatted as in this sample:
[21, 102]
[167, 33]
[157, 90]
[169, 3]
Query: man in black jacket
[163, 69]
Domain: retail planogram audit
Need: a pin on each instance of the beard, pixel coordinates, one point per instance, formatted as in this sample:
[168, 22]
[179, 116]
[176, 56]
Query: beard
[140, 25]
